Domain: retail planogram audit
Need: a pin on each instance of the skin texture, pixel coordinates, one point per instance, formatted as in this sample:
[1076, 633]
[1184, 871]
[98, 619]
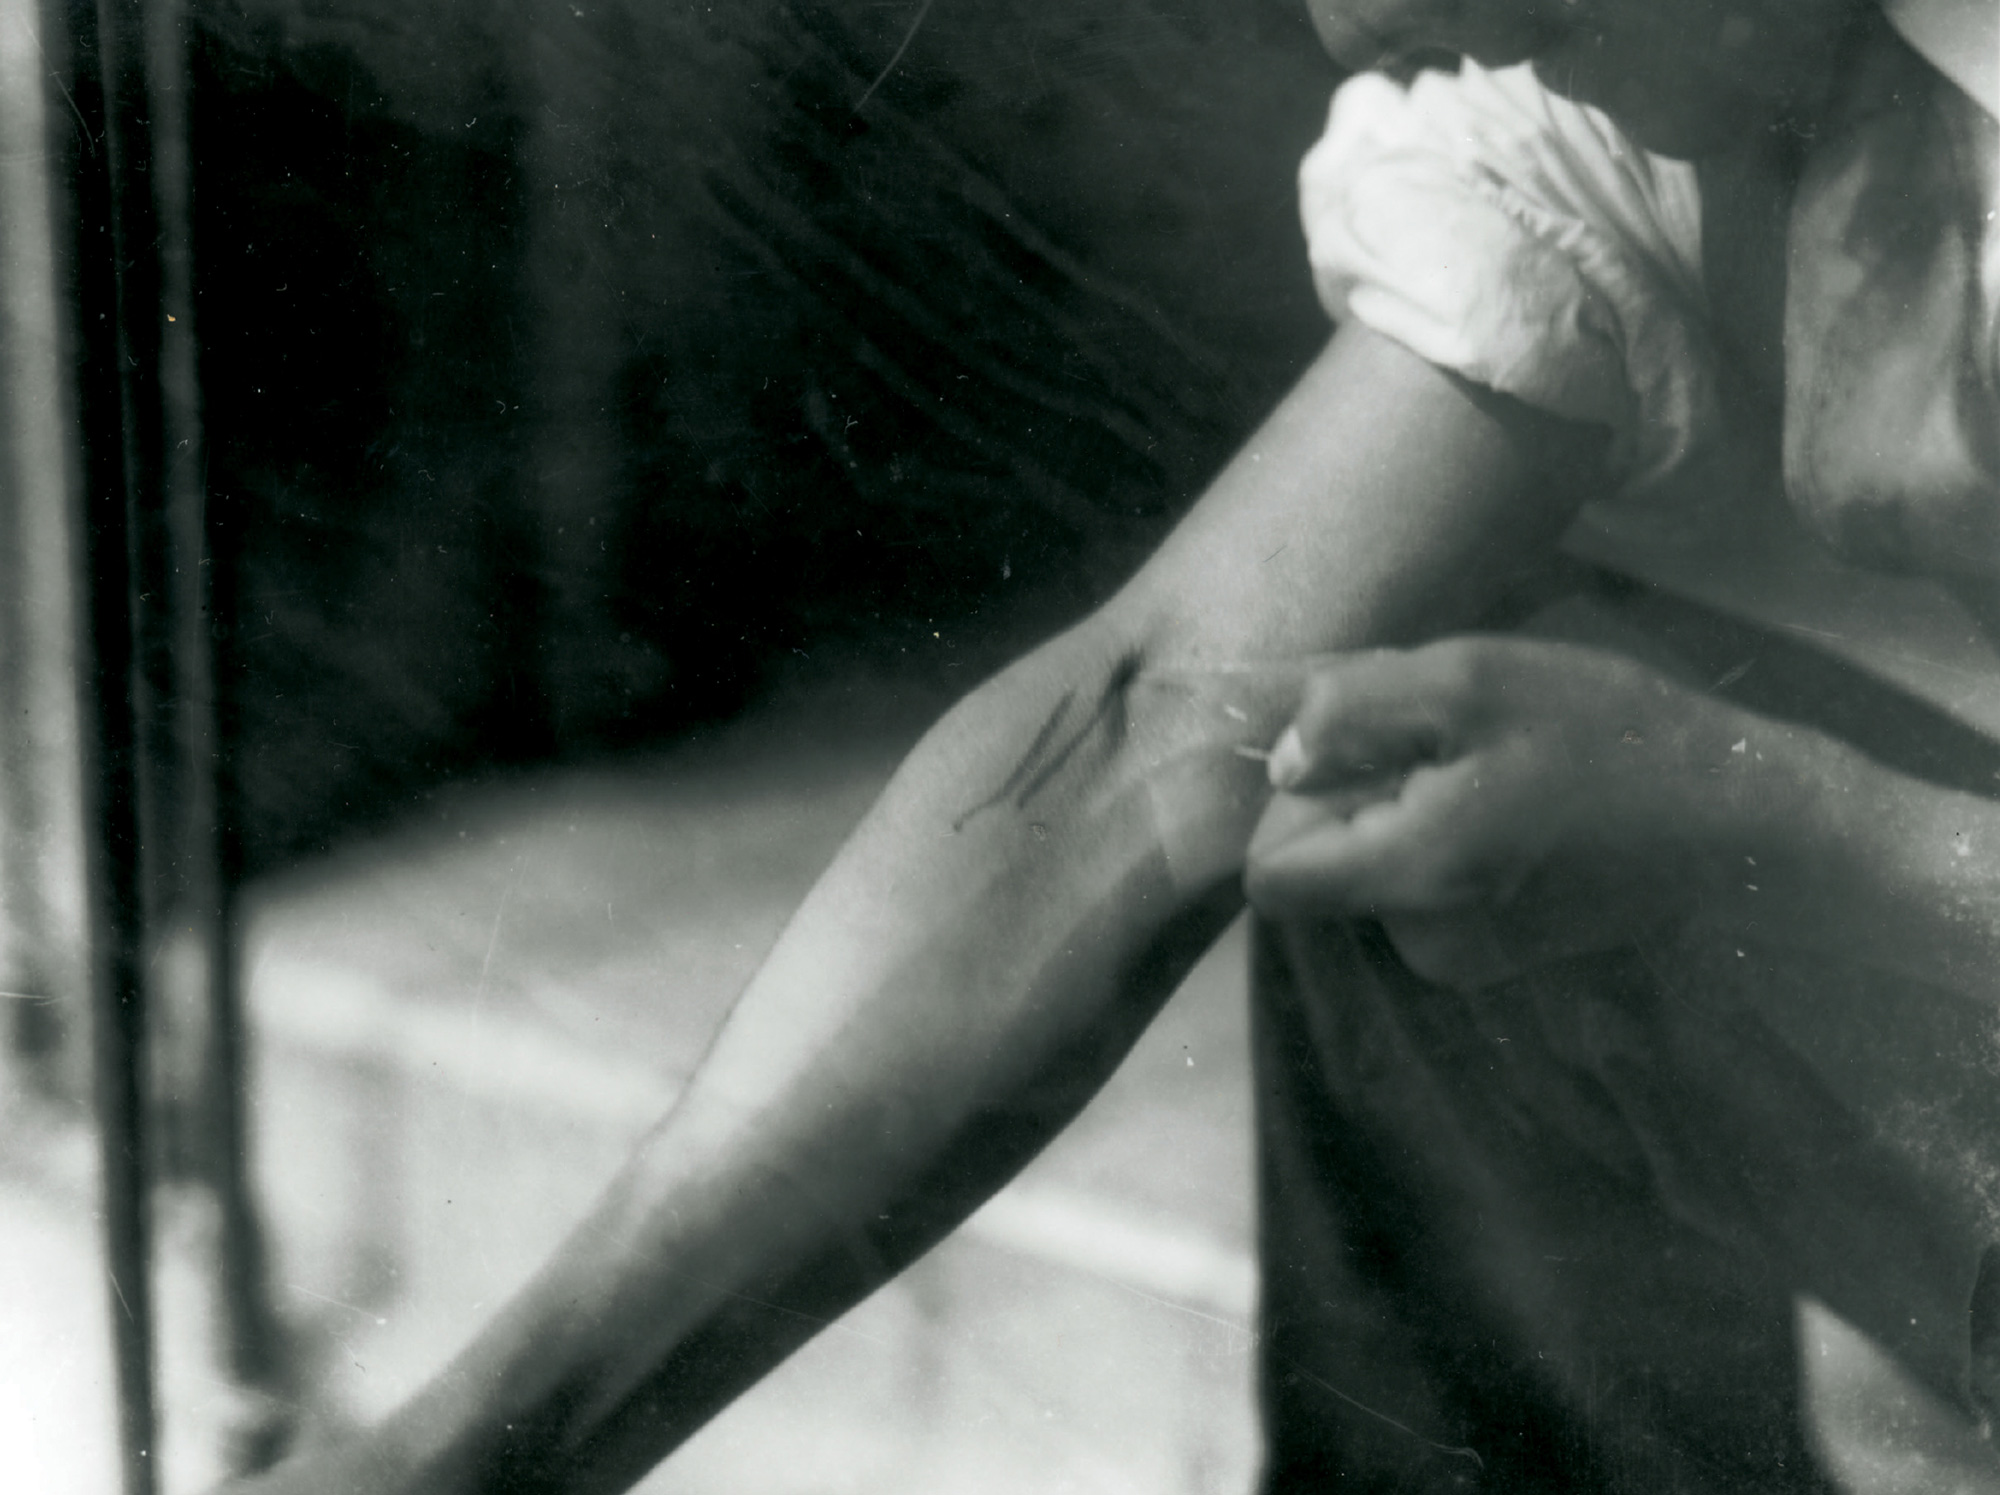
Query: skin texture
[1061, 847]
[1033, 883]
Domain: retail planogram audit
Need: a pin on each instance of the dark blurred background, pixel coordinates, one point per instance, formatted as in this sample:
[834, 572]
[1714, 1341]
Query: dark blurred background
[609, 431]
[576, 374]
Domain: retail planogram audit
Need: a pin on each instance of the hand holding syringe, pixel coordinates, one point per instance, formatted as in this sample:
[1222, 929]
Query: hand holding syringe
[1496, 802]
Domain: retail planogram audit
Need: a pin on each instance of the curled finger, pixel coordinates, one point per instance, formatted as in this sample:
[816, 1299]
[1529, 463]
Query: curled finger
[1377, 714]
[1423, 848]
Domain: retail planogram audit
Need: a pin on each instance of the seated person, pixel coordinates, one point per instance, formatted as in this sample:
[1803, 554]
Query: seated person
[1624, 992]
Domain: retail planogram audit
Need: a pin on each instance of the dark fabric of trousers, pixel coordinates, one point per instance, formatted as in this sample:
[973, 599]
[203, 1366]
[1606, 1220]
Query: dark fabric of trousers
[1548, 1236]
[1476, 1276]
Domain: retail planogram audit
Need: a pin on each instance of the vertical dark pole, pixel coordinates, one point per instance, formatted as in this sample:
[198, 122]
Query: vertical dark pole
[195, 881]
[157, 858]
[117, 282]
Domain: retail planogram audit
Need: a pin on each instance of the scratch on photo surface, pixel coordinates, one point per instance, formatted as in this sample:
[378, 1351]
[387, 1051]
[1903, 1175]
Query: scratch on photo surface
[335, 1302]
[1901, 656]
[1213, 1318]
[493, 936]
[1736, 672]
[1457, 1451]
[113, 1276]
[916, 25]
[55, 77]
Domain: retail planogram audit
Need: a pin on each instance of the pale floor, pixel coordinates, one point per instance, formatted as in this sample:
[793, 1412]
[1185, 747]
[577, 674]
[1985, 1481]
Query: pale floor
[462, 1025]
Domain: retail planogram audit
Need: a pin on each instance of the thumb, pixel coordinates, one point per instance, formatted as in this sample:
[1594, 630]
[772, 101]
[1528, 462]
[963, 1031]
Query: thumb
[1373, 714]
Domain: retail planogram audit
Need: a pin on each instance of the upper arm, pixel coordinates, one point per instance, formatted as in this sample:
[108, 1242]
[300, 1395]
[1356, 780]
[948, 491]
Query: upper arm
[1383, 501]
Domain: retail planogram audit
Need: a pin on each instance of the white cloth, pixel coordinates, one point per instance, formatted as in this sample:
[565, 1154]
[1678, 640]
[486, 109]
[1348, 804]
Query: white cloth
[1500, 231]
[1522, 241]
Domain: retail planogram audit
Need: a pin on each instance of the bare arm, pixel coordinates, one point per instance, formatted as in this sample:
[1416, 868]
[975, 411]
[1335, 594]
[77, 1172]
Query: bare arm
[1031, 886]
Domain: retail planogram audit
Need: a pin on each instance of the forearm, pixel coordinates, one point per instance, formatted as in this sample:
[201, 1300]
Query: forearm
[1031, 886]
